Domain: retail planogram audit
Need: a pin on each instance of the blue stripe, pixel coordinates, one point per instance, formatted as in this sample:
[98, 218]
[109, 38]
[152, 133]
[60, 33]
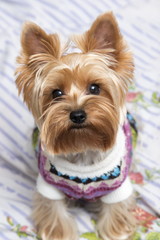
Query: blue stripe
[13, 126]
[150, 79]
[57, 19]
[24, 185]
[72, 18]
[10, 190]
[2, 51]
[12, 140]
[152, 38]
[99, 8]
[146, 133]
[137, 57]
[3, 235]
[13, 156]
[2, 30]
[8, 14]
[9, 42]
[156, 27]
[8, 214]
[82, 9]
[19, 3]
[137, 29]
[140, 67]
[151, 112]
[17, 99]
[152, 124]
[145, 166]
[15, 170]
[7, 77]
[24, 197]
[6, 104]
[144, 52]
[9, 64]
[117, 4]
[9, 167]
[149, 159]
[131, 36]
[149, 201]
[119, 16]
[26, 203]
[19, 210]
[84, 224]
[4, 20]
[154, 183]
[155, 49]
[105, 4]
[150, 192]
[141, 87]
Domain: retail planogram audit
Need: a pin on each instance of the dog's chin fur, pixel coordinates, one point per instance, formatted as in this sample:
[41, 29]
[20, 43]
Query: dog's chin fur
[64, 137]
[44, 67]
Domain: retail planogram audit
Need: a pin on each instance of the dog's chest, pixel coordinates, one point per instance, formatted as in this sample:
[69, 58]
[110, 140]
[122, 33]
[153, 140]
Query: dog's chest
[89, 181]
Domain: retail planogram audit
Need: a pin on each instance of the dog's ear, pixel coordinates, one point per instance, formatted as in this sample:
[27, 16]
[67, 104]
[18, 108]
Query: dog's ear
[34, 40]
[38, 49]
[104, 37]
[103, 34]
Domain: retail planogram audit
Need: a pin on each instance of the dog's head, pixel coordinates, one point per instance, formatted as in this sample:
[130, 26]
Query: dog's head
[77, 99]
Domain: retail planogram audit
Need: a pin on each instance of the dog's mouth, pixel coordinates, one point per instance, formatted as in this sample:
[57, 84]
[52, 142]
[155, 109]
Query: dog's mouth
[78, 127]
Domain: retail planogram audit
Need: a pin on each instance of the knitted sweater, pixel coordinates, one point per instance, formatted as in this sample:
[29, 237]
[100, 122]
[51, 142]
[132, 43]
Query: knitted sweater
[106, 179]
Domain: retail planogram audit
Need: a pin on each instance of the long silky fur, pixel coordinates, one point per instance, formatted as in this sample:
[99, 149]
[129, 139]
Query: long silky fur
[117, 221]
[43, 67]
[53, 219]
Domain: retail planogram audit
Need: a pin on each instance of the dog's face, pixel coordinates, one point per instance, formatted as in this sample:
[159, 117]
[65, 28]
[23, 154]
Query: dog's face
[77, 99]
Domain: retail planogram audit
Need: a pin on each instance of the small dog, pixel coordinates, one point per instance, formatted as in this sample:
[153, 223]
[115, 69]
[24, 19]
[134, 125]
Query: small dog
[78, 101]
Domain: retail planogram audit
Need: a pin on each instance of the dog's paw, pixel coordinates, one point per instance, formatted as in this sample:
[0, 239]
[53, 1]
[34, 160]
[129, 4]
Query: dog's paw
[116, 221]
[106, 236]
[110, 236]
[52, 219]
[60, 231]
[115, 230]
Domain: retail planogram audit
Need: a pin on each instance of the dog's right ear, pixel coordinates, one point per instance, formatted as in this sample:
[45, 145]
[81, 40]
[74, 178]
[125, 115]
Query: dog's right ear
[34, 40]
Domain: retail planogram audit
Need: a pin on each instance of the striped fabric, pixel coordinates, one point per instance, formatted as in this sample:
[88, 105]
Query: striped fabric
[140, 24]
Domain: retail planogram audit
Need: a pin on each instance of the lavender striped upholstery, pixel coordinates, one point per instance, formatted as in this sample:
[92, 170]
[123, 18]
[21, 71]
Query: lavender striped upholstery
[18, 167]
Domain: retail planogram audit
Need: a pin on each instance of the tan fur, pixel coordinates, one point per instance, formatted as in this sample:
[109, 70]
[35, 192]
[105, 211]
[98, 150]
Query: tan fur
[42, 62]
[53, 220]
[43, 68]
[116, 221]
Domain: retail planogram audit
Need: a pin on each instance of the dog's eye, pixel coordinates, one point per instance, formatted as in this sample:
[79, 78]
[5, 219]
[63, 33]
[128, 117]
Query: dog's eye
[57, 93]
[94, 89]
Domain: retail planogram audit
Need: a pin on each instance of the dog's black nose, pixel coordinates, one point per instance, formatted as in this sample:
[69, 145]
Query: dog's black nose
[78, 116]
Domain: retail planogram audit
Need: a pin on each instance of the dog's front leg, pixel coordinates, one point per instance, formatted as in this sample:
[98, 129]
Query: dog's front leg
[52, 219]
[116, 221]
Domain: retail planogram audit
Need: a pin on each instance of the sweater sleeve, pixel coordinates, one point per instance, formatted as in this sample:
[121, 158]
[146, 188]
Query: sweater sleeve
[48, 190]
[120, 194]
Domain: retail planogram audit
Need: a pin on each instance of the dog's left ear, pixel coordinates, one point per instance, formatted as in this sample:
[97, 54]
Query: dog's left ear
[104, 34]
[104, 37]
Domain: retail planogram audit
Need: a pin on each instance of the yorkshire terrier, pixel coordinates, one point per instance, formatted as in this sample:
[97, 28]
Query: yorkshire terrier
[78, 101]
